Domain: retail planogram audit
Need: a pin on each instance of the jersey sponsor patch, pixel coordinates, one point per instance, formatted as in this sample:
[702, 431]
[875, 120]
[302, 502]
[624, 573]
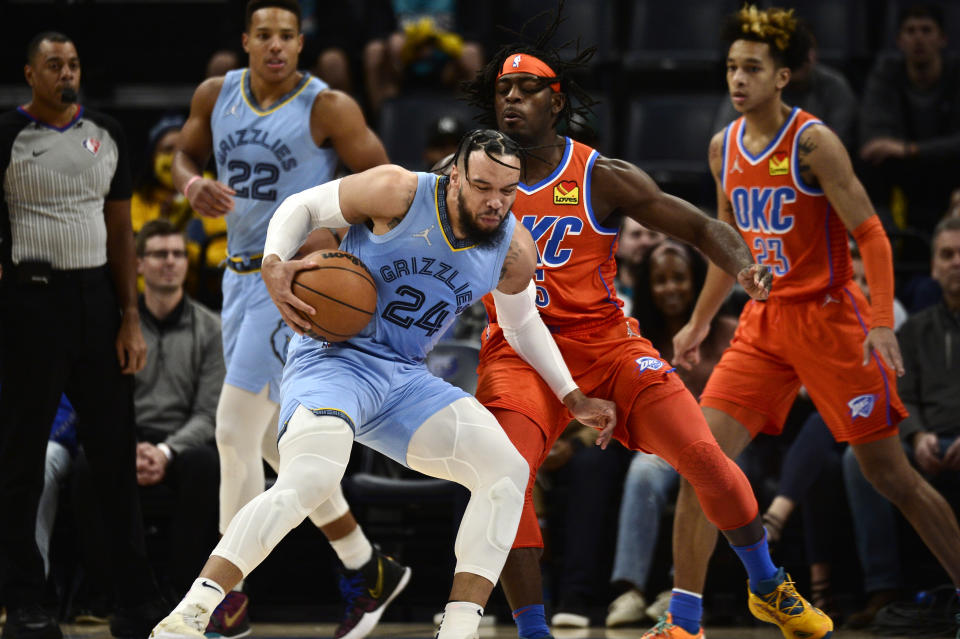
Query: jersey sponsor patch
[91, 144]
[567, 192]
[862, 406]
[648, 364]
[779, 163]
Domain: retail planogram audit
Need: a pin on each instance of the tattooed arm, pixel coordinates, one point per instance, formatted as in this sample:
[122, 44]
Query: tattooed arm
[520, 262]
[823, 163]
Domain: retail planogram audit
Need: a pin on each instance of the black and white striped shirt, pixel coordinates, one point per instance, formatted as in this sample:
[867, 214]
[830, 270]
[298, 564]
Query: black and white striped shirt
[54, 184]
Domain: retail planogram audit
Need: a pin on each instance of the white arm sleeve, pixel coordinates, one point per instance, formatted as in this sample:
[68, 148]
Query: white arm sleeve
[529, 337]
[317, 207]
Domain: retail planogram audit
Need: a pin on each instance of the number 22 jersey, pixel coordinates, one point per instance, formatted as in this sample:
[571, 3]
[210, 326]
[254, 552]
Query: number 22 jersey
[265, 154]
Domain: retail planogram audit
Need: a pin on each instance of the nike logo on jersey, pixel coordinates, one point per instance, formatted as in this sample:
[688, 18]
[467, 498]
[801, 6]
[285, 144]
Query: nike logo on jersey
[761, 208]
[40, 152]
[425, 233]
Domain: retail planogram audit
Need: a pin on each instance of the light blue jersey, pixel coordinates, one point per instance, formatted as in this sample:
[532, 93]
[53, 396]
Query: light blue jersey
[264, 155]
[377, 381]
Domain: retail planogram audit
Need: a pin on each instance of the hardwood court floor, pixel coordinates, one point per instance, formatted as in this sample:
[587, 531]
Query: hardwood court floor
[502, 631]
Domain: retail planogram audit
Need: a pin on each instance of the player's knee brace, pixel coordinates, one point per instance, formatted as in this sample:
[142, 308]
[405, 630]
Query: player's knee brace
[313, 455]
[723, 490]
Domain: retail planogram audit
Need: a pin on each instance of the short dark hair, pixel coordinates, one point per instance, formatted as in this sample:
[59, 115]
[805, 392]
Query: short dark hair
[34, 45]
[155, 228]
[921, 10]
[255, 5]
[789, 39]
[944, 225]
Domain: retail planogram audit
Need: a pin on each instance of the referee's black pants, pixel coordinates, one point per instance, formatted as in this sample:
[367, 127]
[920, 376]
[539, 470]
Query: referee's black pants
[60, 337]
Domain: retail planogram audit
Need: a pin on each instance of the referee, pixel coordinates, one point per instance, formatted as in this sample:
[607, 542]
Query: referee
[69, 320]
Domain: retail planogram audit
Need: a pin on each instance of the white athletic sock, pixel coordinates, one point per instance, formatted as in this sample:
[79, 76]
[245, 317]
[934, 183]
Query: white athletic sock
[461, 620]
[239, 586]
[353, 549]
[201, 600]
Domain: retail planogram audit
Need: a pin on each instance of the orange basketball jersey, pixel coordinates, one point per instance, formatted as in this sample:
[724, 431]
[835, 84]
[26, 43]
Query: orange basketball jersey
[575, 264]
[788, 224]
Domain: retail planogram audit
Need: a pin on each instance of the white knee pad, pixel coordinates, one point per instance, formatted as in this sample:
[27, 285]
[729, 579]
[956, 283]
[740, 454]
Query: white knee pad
[313, 455]
[464, 443]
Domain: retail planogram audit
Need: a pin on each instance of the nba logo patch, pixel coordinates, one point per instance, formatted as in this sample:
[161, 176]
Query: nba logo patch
[516, 62]
[780, 163]
[861, 406]
[648, 364]
[567, 192]
[91, 144]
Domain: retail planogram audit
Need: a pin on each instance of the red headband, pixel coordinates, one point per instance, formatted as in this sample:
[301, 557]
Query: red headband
[526, 63]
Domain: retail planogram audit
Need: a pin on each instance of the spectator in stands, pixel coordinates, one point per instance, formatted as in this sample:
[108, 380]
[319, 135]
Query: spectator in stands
[175, 401]
[222, 61]
[154, 195]
[443, 134]
[930, 389]
[68, 307]
[634, 242]
[431, 46]
[668, 284]
[815, 88]
[910, 122]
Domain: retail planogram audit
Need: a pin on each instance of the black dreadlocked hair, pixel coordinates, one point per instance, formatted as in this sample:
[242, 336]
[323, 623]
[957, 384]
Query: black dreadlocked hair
[491, 142]
[480, 91]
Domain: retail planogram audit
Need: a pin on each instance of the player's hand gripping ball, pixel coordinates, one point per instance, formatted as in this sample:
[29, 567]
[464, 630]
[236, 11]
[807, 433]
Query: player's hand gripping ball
[341, 290]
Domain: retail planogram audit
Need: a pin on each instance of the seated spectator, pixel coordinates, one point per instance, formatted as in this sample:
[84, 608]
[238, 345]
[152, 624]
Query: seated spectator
[634, 242]
[910, 122]
[668, 284]
[815, 88]
[443, 134]
[154, 195]
[175, 400]
[222, 61]
[930, 389]
[429, 48]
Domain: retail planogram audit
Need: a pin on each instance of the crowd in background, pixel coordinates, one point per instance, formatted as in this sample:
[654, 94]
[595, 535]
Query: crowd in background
[902, 128]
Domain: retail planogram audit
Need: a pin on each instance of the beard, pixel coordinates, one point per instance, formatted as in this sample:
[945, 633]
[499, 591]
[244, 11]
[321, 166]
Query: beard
[483, 238]
[69, 95]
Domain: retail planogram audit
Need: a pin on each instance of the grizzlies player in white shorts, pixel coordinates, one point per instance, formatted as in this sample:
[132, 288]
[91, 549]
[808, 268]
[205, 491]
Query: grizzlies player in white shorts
[273, 131]
[434, 245]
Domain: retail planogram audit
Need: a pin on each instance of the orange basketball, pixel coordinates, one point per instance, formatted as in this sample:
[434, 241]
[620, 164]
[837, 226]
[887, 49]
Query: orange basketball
[341, 290]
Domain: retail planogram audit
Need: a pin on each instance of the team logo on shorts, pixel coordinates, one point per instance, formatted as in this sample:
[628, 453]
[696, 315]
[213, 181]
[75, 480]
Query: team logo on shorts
[279, 340]
[780, 163]
[861, 406]
[91, 144]
[648, 364]
[567, 192]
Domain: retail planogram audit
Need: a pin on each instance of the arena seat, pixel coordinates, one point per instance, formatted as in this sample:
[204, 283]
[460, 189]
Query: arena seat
[668, 136]
[669, 35]
[404, 121]
[592, 21]
[838, 26]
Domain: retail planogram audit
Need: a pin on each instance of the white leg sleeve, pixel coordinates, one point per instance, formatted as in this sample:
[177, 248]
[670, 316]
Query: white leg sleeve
[330, 510]
[313, 455]
[464, 443]
[242, 421]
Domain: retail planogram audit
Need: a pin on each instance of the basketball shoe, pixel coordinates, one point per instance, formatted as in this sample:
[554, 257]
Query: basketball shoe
[367, 591]
[181, 625]
[666, 629]
[229, 620]
[785, 607]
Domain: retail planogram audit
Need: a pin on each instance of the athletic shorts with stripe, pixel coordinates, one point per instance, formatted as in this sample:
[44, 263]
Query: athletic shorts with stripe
[816, 343]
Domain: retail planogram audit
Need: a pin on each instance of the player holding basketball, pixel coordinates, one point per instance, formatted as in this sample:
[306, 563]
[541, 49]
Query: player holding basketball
[433, 245]
[274, 131]
[785, 181]
[572, 200]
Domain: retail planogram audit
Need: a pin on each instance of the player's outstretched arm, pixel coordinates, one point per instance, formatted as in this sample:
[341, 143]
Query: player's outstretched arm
[207, 197]
[822, 157]
[525, 331]
[337, 118]
[381, 195]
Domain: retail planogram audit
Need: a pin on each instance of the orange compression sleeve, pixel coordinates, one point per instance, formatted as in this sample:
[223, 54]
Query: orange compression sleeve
[878, 267]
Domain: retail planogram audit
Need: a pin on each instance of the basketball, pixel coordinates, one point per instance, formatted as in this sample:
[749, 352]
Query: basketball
[341, 290]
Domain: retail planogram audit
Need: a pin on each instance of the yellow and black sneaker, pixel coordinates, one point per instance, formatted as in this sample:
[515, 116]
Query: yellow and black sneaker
[367, 592]
[784, 607]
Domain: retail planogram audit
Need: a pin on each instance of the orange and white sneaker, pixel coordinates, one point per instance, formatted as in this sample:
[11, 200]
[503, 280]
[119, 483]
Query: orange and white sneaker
[785, 607]
[666, 629]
